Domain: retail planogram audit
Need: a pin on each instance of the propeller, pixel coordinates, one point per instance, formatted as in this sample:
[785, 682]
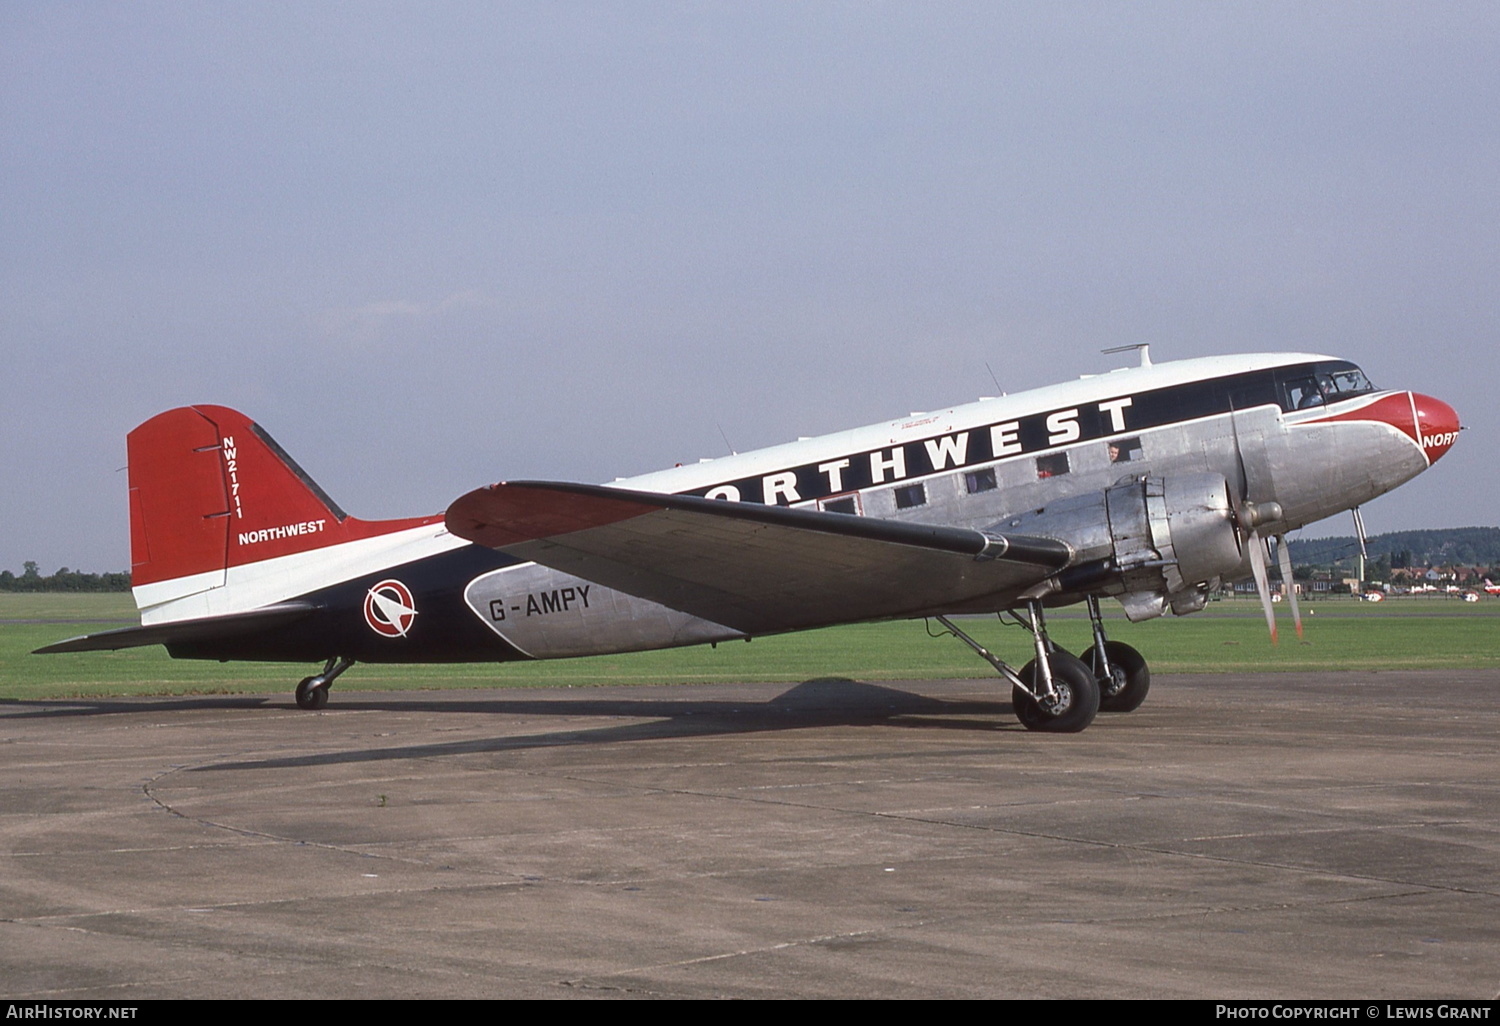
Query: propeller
[1284, 560]
[1250, 516]
[1256, 549]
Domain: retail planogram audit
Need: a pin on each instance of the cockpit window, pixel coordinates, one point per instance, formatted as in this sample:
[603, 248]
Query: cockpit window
[1303, 394]
[1349, 380]
[1313, 385]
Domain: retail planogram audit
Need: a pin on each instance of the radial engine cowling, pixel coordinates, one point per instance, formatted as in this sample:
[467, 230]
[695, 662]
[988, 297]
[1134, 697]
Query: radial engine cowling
[1154, 543]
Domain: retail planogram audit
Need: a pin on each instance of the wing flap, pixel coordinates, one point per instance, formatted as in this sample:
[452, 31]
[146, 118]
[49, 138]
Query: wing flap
[755, 568]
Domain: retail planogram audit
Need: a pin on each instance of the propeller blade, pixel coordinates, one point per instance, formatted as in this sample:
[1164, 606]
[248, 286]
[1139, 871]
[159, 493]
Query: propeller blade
[1284, 560]
[1249, 516]
[1242, 489]
[1257, 551]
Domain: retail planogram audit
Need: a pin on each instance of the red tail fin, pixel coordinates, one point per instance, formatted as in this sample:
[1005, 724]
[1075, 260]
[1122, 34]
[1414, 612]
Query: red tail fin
[209, 490]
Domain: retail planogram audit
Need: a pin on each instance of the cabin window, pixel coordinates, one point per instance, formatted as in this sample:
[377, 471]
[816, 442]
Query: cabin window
[911, 495]
[841, 504]
[1125, 450]
[1052, 465]
[977, 481]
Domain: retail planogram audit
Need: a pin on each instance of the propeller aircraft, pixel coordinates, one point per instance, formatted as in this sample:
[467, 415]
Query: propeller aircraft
[1151, 485]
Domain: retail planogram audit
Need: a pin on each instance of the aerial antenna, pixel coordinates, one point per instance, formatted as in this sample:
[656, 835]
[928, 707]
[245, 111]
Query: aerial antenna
[993, 378]
[726, 439]
[1144, 347]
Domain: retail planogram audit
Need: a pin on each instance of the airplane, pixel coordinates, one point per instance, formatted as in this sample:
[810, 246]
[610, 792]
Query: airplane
[1149, 484]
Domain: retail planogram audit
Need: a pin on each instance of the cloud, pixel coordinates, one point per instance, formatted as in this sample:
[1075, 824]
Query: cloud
[386, 319]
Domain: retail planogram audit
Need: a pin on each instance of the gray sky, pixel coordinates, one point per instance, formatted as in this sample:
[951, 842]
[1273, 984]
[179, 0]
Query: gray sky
[430, 246]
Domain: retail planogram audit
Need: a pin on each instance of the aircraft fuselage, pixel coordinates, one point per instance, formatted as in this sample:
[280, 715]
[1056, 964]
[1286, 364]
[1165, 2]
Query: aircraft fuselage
[1261, 423]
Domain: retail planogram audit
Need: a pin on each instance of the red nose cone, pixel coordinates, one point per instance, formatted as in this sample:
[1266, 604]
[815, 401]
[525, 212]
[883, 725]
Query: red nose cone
[1437, 425]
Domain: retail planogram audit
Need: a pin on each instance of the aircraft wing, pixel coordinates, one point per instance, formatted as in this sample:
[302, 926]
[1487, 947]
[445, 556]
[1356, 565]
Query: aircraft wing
[756, 568]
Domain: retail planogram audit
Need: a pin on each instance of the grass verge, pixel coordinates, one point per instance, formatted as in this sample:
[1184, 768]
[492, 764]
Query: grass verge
[1230, 636]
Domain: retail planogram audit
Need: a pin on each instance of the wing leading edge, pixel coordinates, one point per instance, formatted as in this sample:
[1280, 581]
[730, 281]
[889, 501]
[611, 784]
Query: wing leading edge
[755, 568]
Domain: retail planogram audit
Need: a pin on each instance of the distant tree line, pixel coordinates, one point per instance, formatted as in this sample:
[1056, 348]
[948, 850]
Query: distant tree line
[1455, 546]
[64, 580]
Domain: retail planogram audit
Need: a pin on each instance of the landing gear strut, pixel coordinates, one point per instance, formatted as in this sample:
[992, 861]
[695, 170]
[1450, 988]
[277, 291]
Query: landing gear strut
[1120, 670]
[312, 692]
[1054, 692]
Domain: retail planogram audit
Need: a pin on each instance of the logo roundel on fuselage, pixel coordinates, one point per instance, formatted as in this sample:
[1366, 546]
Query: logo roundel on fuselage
[390, 608]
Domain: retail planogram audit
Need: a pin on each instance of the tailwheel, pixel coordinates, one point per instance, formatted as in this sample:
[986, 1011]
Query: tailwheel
[311, 694]
[1124, 687]
[1075, 697]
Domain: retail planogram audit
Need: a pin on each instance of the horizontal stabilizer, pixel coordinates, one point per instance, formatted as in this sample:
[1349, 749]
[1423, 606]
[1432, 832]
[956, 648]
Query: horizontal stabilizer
[204, 629]
[756, 568]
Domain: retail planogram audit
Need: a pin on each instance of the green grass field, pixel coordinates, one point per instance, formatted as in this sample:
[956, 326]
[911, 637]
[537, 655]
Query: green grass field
[1230, 636]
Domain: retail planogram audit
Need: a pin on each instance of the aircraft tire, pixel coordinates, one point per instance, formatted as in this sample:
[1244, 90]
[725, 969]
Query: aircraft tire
[311, 695]
[1078, 697]
[1131, 677]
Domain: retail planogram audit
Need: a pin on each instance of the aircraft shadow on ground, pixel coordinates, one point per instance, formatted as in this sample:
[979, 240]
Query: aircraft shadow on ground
[822, 702]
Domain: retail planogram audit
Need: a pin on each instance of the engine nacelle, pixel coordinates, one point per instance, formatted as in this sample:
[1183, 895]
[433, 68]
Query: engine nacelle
[1153, 543]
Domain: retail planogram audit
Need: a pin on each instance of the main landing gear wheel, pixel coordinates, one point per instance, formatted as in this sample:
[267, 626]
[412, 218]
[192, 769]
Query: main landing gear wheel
[1124, 688]
[311, 694]
[1073, 707]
